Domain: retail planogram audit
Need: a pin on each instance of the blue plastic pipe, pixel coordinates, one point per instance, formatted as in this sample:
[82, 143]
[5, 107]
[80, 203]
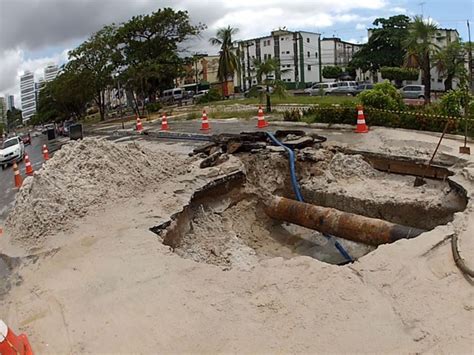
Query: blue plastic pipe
[297, 191]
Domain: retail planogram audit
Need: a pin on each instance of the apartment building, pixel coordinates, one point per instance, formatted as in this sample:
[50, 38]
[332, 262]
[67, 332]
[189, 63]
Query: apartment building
[3, 110]
[50, 72]
[10, 99]
[297, 51]
[335, 52]
[28, 95]
[203, 71]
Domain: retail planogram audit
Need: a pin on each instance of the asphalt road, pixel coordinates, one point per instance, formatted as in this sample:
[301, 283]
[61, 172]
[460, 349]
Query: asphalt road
[7, 186]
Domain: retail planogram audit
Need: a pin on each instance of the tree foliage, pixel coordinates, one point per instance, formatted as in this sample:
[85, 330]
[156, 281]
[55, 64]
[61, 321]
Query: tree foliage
[420, 49]
[385, 45]
[450, 63]
[267, 73]
[332, 72]
[14, 118]
[399, 74]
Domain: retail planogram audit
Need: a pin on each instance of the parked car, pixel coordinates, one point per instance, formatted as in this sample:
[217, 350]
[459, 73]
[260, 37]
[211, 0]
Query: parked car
[316, 89]
[413, 92]
[172, 95]
[257, 89]
[363, 87]
[13, 151]
[344, 91]
[347, 84]
[65, 130]
[200, 93]
[26, 138]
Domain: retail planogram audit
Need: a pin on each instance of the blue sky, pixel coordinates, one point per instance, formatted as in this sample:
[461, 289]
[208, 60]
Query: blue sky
[34, 33]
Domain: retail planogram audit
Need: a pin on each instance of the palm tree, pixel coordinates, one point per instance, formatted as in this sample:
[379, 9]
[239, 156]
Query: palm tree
[450, 62]
[228, 59]
[420, 49]
[267, 73]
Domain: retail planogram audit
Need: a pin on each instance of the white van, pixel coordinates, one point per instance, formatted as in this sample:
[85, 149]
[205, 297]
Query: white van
[172, 95]
[316, 88]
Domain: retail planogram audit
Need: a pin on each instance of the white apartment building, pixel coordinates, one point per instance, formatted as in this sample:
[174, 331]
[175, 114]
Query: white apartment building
[28, 97]
[50, 72]
[3, 110]
[10, 99]
[335, 52]
[298, 53]
[441, 38]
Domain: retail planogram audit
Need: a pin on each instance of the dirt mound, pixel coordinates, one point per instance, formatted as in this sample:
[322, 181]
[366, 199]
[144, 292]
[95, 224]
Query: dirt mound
[81, 175]
[348, 166]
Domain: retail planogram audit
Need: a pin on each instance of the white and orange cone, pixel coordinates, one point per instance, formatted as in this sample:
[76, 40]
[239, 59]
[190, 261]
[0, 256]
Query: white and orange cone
[164, 123]
[205, 126]
[28, 167]
[17, 176]
[139, 124]
[361, 126]
[45, 152]
[11, 344]
[261, 119]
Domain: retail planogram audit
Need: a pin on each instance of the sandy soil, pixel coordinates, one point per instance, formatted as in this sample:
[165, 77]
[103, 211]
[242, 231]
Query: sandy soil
[108, 285]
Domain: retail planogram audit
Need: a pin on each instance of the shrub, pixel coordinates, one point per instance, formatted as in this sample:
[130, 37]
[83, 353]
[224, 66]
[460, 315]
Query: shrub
[453, 102]
[332, 72]
[399, 74]
[212, 95]
[384, 96]
[154, 106]
[293, 115]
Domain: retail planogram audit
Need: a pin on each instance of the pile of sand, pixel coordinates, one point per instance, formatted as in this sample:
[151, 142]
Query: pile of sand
[349, 166]
[82, 175]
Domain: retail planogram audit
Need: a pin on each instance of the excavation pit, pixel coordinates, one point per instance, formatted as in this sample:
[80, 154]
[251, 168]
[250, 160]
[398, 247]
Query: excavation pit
[225, 223]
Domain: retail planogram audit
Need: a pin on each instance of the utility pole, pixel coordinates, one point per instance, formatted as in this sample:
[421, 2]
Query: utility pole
[465, 149]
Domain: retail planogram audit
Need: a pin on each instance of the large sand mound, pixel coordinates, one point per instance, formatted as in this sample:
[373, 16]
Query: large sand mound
[81, 175]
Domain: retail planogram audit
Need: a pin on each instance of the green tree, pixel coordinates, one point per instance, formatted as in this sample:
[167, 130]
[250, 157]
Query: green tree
[399, 74]
[332, 72]
[149, 54]
[385, 45]
[228, 58]
[266, 73]
[96, 59]
[14, 119]
[420, 49]
[383, 96]
[450, 63]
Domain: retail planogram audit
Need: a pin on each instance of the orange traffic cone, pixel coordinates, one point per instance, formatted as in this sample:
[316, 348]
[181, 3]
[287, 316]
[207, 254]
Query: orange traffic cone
[139, 124]
[205, 122]
[18, 178]
[28, 167]
[11, 344]
[361, 126]
[164, 123]
[261, 119]
[45, 152]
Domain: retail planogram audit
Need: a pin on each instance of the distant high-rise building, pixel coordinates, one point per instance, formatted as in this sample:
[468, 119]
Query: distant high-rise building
[3, 110]
[38, 87]
[10, 99]
[50, 72]
[28, 96]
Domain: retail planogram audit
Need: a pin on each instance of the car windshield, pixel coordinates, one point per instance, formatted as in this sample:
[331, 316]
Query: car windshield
[10, 143]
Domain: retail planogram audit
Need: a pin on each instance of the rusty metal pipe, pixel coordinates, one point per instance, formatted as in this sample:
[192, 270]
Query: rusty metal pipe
[341, 224]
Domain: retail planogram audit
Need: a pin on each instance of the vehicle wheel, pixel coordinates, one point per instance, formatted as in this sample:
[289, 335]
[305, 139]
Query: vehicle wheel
[421, 97]
[3, 166]
[326, 94]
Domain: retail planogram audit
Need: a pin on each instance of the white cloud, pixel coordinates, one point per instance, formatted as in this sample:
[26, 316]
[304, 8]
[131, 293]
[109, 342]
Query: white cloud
[399, 10]
[361, 26]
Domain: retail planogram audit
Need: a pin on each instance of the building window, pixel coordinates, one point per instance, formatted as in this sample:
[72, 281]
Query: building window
[282, 38]
[307, 40]
[309, 67]
[309, 54]
[283, 52]
[316, 54]
[287, 52]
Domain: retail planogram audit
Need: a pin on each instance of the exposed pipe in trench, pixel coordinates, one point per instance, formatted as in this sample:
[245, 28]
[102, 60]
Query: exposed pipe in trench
[299, 197]
[341, 224]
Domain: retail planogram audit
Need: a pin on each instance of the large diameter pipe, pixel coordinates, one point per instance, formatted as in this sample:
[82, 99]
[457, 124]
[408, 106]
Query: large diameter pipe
[341, 224]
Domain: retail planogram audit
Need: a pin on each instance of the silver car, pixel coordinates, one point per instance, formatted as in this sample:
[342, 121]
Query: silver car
[12, 151]
[413, 92]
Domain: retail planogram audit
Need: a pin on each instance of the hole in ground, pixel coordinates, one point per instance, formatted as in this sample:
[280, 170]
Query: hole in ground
[225, 224]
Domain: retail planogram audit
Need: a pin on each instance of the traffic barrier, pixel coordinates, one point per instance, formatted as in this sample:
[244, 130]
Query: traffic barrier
[45, 152]
[205, 126]
[164, 123]
[11, 344]
[139, 125]
[361, 126]
[17, 177]
[261, 119]
[28, 167]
